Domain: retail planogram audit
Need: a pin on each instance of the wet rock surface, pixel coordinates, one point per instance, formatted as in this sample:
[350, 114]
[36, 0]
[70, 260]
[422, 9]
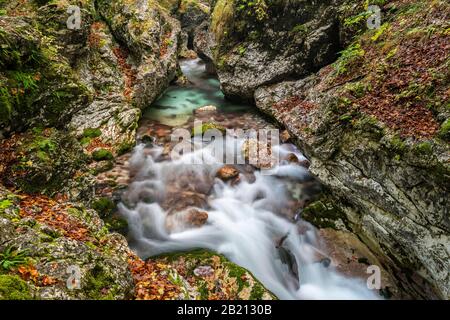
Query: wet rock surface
[346, 253]
[227, 172]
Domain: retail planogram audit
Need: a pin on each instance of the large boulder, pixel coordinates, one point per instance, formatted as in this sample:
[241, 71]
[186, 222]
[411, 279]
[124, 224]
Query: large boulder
[391, 192]
[197, 275]
[105, 70]
[37, 84]
[150, 36]
[59, 251]
[262, 42]
[378, 140]
[89, 78]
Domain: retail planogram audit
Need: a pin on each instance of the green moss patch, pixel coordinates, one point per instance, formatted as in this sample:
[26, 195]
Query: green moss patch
[99, 285]
[14, 288]
[323, 214]
[103, 206]
[444, 132]
[92, 133]
[102, 154]
[205, 127]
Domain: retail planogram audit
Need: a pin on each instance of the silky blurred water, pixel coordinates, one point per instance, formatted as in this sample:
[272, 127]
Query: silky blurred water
[244, 221]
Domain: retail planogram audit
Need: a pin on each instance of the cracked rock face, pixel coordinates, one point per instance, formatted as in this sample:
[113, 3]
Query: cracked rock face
[398, 207]
[289, 40]
[151, 37]
[98, 77]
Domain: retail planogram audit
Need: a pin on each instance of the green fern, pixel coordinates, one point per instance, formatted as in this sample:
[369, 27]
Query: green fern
[10, 258]
[349, 55]
[25, 80]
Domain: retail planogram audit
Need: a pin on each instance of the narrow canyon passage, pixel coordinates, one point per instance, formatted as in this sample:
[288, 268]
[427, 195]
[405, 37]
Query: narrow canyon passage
[254, 219]
[225, 150]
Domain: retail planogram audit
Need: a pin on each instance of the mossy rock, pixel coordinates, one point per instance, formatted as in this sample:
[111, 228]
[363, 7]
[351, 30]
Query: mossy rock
[223, 272]
[37, 83]
[102, 154]
[99, 285]
[202, 129]
[14, 288]
[49, 159]
[324, 214]
[92, 133]
[103, 206]
[5, 204]
[125, 148]
[423, 148]
[444, 132]
[115, 223]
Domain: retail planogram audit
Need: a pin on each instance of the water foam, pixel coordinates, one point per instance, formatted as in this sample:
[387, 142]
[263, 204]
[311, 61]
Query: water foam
[242, 225]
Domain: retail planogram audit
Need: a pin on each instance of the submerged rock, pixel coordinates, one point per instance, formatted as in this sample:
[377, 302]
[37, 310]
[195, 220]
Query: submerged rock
[186, 219]
[290, 261]
[196, 217]
[205, 110]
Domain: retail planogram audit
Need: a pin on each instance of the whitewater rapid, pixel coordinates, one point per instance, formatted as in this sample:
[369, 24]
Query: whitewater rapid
[243, 223]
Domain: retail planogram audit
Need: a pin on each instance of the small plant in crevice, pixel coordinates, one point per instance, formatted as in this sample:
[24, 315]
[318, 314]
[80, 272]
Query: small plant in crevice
[12, 258]
[256, 9]
[347, 57]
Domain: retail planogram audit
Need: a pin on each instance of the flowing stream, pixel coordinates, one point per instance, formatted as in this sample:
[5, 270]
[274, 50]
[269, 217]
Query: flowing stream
[253, 221]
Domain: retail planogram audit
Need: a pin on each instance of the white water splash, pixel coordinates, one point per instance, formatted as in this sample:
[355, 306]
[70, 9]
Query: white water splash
[242, 225]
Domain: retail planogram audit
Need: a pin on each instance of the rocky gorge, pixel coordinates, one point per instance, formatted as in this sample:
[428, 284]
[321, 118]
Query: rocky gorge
[367, 110]
[375, 135]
